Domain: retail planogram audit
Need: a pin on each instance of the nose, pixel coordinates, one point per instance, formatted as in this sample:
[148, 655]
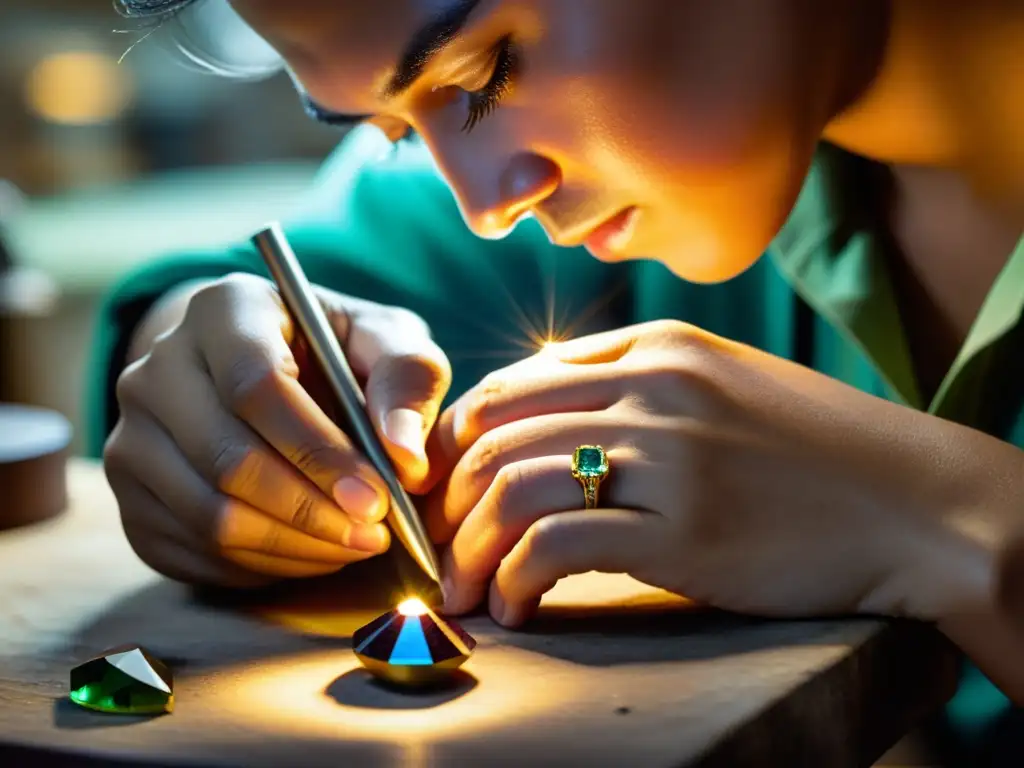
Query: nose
[491, 203]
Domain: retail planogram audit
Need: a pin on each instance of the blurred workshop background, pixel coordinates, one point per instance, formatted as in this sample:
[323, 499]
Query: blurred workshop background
[105, 163]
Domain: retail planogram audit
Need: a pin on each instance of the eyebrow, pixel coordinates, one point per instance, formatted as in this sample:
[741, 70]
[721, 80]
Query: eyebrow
[432, 38]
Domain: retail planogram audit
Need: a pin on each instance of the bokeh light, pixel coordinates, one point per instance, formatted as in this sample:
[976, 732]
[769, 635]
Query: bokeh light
[78, 88]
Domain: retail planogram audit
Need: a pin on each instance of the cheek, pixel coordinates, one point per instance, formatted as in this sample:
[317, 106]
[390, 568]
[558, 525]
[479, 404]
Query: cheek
[716, 183]
[708, 224]
[717, 166]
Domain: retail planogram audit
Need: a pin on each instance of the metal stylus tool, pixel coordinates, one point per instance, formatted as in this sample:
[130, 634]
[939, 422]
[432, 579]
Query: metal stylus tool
[310, 317]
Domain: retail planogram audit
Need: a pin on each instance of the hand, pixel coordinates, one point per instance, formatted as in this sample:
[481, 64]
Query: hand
[737, 479]
[226, 469]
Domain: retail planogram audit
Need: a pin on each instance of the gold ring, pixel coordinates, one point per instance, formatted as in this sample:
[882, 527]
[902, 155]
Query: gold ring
[590, 467]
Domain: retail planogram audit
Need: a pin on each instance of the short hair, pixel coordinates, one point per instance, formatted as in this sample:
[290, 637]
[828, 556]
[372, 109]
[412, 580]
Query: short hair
[187, 23]
[154, 10]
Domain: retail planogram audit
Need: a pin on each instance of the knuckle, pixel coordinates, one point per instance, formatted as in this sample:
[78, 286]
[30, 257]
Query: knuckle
[686, 369]
[421, 378]
[675, 331]
[218, 296]
[130, 388]
[484, 457]
[304, 514]
[247, 381]
[546, 540]
[233, 464]
[313, 460]
[210, 297]
[114, 451]
[509, 485]
[270, 542]
[484, 400]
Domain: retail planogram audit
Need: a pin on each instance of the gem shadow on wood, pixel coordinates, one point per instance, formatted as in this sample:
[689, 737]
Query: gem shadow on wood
[70, 717]
[358, 688]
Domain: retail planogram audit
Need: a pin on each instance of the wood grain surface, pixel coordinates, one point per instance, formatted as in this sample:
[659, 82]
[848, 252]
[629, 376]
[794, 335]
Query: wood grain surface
[612, 673]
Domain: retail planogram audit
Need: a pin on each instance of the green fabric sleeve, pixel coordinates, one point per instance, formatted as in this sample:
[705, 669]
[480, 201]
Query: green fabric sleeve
[381, 224]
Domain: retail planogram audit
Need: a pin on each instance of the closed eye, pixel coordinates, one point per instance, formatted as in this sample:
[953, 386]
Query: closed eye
[396, 130]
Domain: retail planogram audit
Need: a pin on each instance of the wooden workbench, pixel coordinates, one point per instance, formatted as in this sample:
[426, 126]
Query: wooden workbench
[613, 673]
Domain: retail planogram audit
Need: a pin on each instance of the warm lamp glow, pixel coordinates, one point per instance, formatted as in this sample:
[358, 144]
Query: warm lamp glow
[412, 607]
[78, 88]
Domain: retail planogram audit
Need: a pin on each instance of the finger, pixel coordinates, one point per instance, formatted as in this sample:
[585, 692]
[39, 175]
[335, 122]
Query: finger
[280, 567]
[145, 517]
[256, 376]
[146, 451]
[237, 462]
[541, 436]
[605, 347]
[167, 546]
[522, 391]
[244, 528]
[409, 376]
[520, 495]
[567, 543]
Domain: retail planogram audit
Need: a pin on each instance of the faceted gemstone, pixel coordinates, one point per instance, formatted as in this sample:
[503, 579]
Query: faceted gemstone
[124, 681]
[589, 461]
[412, 649]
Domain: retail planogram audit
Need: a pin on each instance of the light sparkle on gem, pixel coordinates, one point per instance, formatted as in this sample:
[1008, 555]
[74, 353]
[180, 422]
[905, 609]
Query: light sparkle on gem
[412, 607]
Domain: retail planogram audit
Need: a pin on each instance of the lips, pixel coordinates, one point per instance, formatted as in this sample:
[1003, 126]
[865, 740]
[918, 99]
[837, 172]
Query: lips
[608, 241]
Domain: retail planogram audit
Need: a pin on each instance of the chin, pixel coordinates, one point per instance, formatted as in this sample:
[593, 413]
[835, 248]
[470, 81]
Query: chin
[707, 266]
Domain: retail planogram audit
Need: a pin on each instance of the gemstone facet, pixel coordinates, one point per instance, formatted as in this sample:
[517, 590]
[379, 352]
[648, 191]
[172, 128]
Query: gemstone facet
[412, 646]
[589, 461]
[126, 681]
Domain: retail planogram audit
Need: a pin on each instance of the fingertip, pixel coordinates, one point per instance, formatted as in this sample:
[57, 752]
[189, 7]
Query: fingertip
[371, 538]
[361, 500]
[507, 613]
[458, 597]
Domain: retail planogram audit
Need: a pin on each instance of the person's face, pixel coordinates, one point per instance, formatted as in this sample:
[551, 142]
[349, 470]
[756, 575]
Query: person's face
[679, 130]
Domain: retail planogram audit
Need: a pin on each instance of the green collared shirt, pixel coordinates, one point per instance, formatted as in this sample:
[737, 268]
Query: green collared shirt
[382, 225]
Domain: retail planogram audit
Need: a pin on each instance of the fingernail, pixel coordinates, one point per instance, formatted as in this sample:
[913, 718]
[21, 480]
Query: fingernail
[448, 595]
[359, 499]
[404, 428]
[368, 538]
[506, 614]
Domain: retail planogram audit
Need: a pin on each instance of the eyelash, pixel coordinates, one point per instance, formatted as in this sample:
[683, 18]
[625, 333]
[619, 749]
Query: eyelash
[488, 98]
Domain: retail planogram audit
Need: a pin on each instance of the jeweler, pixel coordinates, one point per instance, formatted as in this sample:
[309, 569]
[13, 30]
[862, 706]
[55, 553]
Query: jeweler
[801, 357]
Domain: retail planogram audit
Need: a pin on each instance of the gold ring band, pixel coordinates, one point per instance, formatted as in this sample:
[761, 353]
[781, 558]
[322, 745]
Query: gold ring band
[590, 468]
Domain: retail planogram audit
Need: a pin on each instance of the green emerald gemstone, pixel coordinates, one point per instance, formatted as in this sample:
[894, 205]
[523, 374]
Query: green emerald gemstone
[124, 681]
[589, 461]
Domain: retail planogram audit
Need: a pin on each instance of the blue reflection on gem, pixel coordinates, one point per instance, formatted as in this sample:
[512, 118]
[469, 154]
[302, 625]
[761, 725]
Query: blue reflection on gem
[411, 645]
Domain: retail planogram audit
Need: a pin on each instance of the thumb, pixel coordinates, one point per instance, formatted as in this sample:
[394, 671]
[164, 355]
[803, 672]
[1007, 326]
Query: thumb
[604, 347]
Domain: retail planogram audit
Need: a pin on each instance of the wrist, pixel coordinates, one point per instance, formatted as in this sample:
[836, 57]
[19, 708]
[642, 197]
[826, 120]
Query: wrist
[990, 631]
[952, 547]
